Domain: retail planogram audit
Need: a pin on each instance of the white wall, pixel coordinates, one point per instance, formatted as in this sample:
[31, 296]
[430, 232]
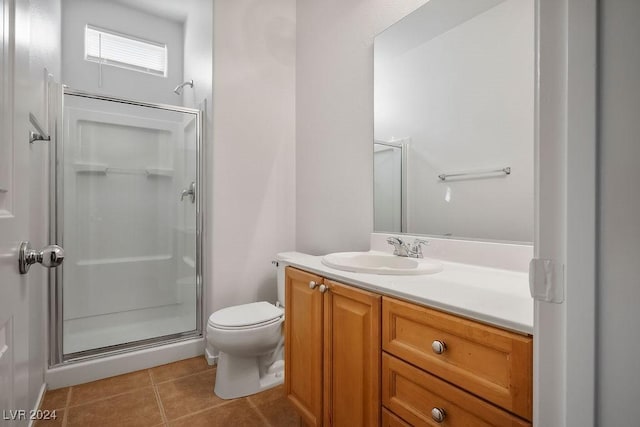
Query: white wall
[44, 52]
[198, 51]
[619, 223]
[253, 192]
[465, 98]
[84, 75]
[198, 66]
[334, 119]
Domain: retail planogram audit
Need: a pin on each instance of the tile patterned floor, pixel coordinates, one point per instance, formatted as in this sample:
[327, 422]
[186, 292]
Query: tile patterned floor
[177, 394]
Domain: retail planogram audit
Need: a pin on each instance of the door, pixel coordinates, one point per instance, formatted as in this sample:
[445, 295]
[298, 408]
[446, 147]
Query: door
[16, 171]
[351, 356]
[332, 361]
[303, 358]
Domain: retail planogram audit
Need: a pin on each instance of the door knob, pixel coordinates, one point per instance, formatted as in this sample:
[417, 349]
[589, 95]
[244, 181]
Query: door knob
[50, 256]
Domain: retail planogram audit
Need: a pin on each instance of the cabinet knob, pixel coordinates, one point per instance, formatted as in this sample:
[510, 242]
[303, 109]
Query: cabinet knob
[438, 415]
[323, 289]
[438, 347]
[312, 285]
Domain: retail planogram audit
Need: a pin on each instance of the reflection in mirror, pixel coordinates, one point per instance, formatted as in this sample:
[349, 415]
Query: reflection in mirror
[389, 183]
[454, 91]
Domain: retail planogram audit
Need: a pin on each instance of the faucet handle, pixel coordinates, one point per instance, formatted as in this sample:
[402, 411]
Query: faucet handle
[393, 240]
[399, 247]
[416, 247]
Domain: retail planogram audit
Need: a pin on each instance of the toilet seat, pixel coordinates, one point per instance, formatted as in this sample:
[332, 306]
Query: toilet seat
[246, 316]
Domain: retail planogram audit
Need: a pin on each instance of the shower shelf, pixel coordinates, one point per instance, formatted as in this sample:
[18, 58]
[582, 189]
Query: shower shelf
[159, 172]
[132, 259]
[97, 168]
[103, 169]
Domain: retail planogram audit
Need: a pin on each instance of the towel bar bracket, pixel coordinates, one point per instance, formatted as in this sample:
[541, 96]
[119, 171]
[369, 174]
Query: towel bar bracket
[35, 136]
[40, 134]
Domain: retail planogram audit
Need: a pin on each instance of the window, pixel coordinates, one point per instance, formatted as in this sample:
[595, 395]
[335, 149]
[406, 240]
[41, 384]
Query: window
[120, 50]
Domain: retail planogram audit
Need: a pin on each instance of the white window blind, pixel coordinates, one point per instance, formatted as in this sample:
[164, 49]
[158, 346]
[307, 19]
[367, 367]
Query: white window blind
[124, 51]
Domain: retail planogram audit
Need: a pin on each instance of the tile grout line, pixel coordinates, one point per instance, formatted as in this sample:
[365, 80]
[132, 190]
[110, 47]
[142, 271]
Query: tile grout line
[110, 396]
[163, 415]
[151, 377]
[259, 412]
[65, 416]
[219, 405]
[184, 376]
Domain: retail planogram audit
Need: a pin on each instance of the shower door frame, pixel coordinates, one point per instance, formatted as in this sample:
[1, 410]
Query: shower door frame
[56, 231]
[404, 180]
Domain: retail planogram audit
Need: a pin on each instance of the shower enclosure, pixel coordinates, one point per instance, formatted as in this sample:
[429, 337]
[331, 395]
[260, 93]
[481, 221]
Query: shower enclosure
[126, 207]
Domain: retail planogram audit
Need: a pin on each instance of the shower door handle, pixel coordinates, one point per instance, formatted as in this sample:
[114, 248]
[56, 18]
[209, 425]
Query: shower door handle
[191, 192]
[50, 256]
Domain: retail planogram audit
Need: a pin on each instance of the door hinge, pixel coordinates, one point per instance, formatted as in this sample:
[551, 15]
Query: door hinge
[546, 280]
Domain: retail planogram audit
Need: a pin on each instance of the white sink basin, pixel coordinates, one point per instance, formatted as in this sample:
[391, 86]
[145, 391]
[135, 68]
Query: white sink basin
[380, 263]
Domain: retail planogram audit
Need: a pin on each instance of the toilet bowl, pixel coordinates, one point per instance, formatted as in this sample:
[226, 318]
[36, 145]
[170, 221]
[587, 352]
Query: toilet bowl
[249, 340]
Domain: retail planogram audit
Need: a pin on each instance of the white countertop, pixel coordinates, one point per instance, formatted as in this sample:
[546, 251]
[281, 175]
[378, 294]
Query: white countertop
[490, 295]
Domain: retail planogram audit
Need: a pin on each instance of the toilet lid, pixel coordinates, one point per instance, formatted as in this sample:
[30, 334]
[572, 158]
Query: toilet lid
[245, 315]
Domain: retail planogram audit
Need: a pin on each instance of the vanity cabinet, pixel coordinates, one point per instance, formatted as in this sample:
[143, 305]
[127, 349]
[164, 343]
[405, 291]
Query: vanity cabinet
[356, 358]
[332, 351]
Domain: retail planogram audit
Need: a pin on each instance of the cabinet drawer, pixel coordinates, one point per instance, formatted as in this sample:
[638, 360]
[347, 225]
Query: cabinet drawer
[413, 394]
[487, 361]
[389, 419]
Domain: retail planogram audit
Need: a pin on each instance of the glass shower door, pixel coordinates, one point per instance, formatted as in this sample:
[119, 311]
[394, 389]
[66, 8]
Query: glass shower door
[389, 187]
[127, 217]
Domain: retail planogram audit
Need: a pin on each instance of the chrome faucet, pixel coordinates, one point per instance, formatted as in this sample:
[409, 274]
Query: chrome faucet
[400, 248]
[403, 249]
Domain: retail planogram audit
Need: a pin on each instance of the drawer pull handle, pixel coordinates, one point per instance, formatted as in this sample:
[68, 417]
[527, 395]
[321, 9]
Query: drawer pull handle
[323, 289]
[438, 347]
[438, 415]
[312, 285]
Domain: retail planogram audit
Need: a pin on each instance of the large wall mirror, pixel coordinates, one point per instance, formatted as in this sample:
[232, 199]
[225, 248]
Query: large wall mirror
[454, 121]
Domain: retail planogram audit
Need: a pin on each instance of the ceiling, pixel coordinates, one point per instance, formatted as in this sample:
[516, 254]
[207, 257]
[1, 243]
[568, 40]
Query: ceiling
[170, 9]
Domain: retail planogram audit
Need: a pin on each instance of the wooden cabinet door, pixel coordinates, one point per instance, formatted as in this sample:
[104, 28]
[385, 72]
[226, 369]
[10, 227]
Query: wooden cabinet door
[303, 345]
[351, 356]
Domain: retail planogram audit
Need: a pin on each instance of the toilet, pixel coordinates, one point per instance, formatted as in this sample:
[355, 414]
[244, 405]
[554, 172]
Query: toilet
[250, 340]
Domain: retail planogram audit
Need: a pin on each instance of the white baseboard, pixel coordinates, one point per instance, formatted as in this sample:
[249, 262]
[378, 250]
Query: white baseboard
[96, 369]
[43, 390]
